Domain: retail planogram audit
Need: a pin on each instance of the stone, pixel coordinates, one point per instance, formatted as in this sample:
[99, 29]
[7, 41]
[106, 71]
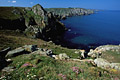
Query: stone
[9, 60]
[15, 52]
[8, 69]
[82, 53]
[55, 57]
[30, 48]
[92, 53]
[49, 52]
[102, 63]
[39, 52]
[77, 52]
[63, 56]
[115, 66]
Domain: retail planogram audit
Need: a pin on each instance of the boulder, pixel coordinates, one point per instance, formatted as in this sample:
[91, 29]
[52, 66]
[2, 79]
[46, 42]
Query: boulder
[63, 56]
[30, 48]
[55, 57]
[94, 53]
[8, 69]
[39, 52]
[102, 63]
[82, 53]
[115, 66]
[49, 52]
[15, 52]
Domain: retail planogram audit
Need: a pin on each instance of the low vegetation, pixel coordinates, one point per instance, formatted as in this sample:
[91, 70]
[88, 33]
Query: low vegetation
[36, 67]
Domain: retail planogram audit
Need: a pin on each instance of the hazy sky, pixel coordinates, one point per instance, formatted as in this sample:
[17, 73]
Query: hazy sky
[91, 4]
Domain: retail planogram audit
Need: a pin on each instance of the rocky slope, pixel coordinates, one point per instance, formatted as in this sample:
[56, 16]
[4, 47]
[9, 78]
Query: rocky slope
[107, 56]
[35, 22]
[62, 13]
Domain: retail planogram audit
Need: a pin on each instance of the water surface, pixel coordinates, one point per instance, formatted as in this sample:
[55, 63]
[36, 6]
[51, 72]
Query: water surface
[97, 29]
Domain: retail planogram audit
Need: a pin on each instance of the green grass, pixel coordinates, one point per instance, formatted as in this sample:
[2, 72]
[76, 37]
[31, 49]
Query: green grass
[112, 56]
[13, 39]
[49, 69]
[6, 12]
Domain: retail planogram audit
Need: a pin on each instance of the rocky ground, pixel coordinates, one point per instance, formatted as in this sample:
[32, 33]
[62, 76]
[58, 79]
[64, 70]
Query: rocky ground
[35, 59]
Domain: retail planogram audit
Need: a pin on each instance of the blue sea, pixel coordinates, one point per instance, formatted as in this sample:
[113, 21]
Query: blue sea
[93, 30]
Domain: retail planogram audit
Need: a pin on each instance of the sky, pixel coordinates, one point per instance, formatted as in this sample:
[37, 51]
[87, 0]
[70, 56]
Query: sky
[89, 4]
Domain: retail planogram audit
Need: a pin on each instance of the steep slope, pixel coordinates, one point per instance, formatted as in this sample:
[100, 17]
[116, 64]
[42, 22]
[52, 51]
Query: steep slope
[35, 22]
[62, 13]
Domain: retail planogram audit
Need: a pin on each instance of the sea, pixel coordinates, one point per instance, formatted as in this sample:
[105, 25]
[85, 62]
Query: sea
[91, 31]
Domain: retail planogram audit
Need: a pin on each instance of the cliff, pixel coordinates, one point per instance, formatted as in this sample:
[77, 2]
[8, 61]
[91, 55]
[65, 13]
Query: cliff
[62, 13]
[35, 22]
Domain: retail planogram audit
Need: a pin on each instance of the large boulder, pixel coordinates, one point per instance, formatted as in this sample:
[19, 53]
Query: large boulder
[15, 52]
[30, 48]
[82, 53]
[94, 53]
[44, 52]
[102, 63]
[115, 66]
[40, 52]
[63, 56]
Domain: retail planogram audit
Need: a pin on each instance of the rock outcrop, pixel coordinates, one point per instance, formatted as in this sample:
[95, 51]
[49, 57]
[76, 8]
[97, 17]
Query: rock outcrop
[62, 13]
[35, 22]
[102, 63]
[103, 56]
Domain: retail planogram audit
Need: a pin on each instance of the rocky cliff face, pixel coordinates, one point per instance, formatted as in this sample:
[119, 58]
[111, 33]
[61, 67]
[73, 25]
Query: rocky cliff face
[35, 22]
[47, 26]
[62, 13]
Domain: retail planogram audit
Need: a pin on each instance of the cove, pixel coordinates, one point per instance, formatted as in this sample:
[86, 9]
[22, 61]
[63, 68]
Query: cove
[93, 30]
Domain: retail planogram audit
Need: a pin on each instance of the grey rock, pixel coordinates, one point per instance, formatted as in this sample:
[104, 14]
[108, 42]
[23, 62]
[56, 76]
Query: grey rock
[15, 52]
[115, 66]
[82, 53]
[92, 53]
[49, 52]
[102, 63]
[8, 69]
[63, 56]
[39, 52]
[30, 48]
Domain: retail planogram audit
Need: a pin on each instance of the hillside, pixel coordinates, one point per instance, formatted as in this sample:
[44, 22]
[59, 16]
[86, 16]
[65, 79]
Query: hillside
[38, 66]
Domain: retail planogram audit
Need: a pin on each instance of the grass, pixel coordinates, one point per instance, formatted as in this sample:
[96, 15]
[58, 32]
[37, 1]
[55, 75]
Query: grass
[49, 69]
[112, 56]
[6, 12]
[16, 39]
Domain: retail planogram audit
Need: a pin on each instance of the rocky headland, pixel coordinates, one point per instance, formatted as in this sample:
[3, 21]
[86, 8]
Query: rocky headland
[63, 13]
[24, 56]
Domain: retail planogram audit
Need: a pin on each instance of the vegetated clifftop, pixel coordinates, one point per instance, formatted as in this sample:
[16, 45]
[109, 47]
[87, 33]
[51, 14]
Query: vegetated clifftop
[62, 13]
